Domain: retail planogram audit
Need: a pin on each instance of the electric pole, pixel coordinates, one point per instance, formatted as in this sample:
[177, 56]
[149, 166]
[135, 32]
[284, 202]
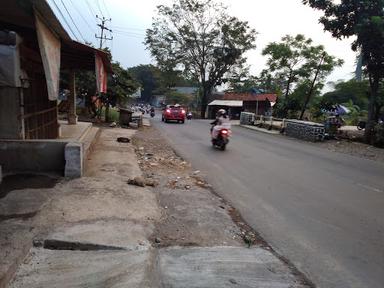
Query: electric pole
[103, 27]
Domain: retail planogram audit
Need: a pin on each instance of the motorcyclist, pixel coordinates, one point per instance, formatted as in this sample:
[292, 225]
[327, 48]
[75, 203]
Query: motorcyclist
[221, 122]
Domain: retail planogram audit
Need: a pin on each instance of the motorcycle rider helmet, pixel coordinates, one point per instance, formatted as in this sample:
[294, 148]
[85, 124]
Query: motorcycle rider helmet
[221, 112]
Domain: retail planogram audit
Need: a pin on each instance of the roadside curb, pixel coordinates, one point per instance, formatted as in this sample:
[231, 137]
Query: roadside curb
[273, 132]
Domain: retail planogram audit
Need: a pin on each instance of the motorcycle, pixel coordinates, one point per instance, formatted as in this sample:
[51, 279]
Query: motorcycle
[152, 114]
[361, 125]
[222, 138]
[189, 115]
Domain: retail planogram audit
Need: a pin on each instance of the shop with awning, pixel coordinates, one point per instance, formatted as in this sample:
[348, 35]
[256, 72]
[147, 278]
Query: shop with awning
[233, 108]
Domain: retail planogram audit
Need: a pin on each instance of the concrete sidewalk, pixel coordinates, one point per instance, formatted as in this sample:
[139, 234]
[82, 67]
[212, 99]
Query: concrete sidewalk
[98, 231]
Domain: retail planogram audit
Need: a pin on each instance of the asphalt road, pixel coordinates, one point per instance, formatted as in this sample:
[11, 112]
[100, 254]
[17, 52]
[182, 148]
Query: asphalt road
[322, 210]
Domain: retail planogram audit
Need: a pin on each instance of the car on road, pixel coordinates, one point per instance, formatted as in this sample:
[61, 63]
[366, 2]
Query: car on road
[173, 113]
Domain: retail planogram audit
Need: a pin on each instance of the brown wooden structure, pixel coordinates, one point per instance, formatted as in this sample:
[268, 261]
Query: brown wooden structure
[33, 115]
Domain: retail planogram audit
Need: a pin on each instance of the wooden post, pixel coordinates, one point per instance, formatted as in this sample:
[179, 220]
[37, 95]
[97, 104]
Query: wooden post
[72, 117]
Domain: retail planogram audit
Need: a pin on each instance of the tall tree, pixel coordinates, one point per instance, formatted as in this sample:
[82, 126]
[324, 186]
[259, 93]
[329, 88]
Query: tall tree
[200, 38]
[365, 20]
[295, 59]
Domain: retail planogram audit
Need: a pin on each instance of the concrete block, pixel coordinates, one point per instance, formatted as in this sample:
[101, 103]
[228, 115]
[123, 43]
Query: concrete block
[73, 160]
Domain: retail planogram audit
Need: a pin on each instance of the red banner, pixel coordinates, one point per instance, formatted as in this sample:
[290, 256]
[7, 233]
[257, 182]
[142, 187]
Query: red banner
[101, 75]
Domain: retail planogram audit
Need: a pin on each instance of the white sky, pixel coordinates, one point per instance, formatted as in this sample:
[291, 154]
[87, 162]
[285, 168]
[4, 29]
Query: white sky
[272, 19]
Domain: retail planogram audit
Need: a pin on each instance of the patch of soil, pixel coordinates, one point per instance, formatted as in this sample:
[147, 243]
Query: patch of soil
[193, 214]
[24, 181]
[357, 149]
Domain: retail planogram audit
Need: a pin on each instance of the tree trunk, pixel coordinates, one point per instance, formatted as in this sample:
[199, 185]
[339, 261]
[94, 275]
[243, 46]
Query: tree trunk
[285, 110]
[204, 102]
[311, 89]
[374, 83]
[107, 113]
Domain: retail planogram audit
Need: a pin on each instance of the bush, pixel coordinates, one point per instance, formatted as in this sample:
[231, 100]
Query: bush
[379, 135]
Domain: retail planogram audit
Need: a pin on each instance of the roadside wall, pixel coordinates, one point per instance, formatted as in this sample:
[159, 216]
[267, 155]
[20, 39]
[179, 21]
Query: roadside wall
[10, 124]
[32, 156]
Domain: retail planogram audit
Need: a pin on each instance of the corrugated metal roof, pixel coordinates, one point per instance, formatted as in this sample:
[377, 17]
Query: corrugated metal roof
[228, 103]
[250, 97]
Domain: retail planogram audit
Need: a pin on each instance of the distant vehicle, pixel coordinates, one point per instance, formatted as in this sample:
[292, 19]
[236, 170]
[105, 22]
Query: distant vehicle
[173, 113]
[189, 115]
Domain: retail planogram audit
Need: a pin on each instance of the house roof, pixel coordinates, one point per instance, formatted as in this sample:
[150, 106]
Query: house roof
[250, 97]
[19, 16]
[228, 103]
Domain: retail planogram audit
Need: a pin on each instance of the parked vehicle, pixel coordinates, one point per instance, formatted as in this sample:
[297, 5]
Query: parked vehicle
[361, 125]
[222, 138]
[173, 113]
[189, 115]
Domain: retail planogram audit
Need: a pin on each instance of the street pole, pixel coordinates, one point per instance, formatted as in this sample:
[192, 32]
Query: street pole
[103, 27]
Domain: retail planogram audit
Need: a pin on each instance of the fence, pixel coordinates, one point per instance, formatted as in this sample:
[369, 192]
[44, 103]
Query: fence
[305, 130]
[247, 118]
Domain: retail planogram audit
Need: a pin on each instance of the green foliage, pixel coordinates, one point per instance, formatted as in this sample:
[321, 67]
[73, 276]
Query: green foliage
[379, 135]
[242, 82]
[365, 20]
[149, 78]
[201, 39]
[120, 85]
[154, 81]
[295, 61]
[174, 97]
[356, 91]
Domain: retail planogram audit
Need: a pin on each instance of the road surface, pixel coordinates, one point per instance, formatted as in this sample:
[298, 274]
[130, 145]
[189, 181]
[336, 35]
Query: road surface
[322, 210]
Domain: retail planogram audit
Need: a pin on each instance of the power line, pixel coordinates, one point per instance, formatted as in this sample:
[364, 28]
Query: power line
[129, 33]
[98, 5]
[103, 27]
[106, 9]
[129, 28]
[65, 20]
[90, 9]
[69, 14]
[81, 15]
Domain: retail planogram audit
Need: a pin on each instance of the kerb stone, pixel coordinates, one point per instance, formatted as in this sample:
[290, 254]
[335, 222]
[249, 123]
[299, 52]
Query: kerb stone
[73, 160]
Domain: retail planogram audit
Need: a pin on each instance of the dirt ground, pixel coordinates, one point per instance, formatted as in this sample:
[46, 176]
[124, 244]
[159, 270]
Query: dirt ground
[192, 214]
[357, 149]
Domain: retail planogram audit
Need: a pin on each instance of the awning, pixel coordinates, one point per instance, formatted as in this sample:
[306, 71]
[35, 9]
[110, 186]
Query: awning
[228, 103]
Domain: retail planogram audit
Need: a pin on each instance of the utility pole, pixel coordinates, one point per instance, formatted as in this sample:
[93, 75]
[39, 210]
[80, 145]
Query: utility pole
[103, 27]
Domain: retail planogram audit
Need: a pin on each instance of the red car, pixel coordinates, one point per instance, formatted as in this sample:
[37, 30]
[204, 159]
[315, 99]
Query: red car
[176, 113]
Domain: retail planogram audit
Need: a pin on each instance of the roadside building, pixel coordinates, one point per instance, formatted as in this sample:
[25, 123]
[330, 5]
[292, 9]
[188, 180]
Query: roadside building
[260, 104]
[235, 103]
[35, 52]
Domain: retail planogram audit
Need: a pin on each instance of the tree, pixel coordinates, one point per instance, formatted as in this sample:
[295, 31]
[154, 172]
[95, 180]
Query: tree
[357, 91]
[174, 97]
[365, 20]
[201, 39]
[295, 59]
[149, 78]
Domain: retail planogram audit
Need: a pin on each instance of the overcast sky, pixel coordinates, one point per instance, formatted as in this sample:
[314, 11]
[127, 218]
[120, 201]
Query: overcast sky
[272, 19]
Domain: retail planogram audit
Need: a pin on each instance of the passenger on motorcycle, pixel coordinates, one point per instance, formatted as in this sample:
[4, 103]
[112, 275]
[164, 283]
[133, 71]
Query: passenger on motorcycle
[221, 122]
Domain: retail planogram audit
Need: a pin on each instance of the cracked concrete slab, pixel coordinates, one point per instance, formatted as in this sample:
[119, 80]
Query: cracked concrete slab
[23, 202]
[223, 267]
[15, 241]
[52, 268]
[120, 233]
